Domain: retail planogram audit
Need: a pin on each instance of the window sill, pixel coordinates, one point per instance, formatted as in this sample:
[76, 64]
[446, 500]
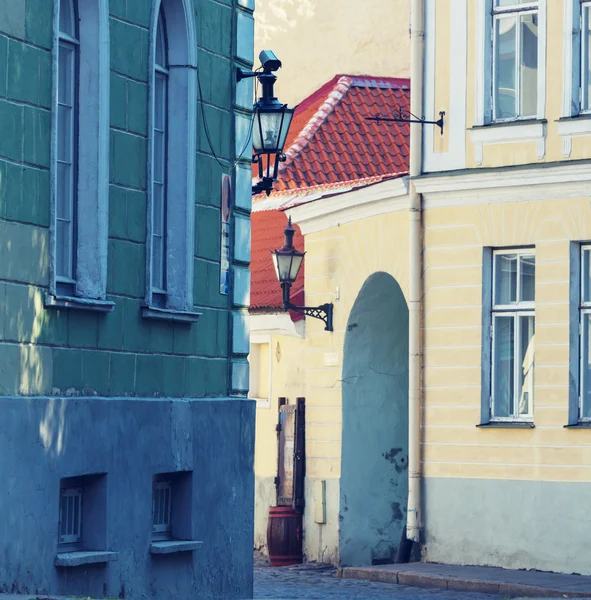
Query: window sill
[73, 303]
[166, 314]
[507, 425]
[76, 559]
[574, 126]
[173, 546]
[579, 425]
[530, 130]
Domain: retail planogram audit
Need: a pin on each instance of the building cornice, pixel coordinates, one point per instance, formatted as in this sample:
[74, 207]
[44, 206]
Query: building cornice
[381, 198]
[510, 184]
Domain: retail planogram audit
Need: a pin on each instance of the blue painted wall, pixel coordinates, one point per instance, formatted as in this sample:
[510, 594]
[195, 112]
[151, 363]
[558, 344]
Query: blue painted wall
[85, 393]
[374, 485]
[45, 439]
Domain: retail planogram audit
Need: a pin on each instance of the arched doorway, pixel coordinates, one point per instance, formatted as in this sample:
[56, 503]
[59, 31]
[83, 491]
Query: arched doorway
[374, 483]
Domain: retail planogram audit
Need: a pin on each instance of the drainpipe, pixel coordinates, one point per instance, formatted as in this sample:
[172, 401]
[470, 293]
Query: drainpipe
[417, 45]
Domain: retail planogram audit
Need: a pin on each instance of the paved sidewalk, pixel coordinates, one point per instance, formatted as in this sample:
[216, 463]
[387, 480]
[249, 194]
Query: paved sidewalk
[485, 580]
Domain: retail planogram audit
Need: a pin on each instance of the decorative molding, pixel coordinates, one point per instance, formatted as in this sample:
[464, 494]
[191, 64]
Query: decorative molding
[382, 198]
[92, 193]
[506, 185]
[508, 133]
[180, 234]
[75, 303]
[573, 127]
[455, 157]
[263, 325]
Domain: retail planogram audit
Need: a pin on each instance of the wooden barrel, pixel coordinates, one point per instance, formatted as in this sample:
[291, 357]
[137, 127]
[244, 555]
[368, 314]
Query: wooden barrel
[284, 536]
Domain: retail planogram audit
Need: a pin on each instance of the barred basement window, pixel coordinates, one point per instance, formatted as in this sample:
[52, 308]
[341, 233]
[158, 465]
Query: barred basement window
[161, 510]
[70, 523]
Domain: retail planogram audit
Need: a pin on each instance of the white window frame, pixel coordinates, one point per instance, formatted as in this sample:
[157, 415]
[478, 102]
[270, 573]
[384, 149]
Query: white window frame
[75, 537]
[179, 16]
[91, 194]
[584, 310]
[485, 62]
[162, 529]
[68, 43]
[574, 48]
[519, 309]
[259, 340]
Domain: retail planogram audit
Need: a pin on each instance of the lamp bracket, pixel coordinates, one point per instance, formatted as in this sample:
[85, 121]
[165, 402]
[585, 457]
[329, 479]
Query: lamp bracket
[322, 312]
[405, 116]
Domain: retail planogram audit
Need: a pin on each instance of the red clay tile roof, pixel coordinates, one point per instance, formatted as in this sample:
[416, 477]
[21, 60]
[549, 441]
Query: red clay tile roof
[331, 148]
[267, 235]
[330, 140]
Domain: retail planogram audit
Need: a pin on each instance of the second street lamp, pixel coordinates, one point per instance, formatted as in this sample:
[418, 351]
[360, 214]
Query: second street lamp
[271, 123]
[287, 261]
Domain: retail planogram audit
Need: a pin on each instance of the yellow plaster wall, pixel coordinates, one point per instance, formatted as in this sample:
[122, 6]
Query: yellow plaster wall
[452, 445]
[513, 153]
[340, 37]
[341, 258]
[287, 380]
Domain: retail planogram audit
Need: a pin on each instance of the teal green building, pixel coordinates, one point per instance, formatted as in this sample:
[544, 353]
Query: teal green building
[126, 438]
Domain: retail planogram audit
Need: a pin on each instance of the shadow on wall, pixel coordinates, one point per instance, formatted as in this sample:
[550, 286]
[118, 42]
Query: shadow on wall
[374, 484]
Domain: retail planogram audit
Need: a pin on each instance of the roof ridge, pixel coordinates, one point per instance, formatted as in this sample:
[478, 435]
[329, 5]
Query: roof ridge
[307, 133]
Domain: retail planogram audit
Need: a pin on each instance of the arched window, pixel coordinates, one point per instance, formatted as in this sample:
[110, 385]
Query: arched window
[80, 152]
[159, 192]
[171, 173]
[67, 145]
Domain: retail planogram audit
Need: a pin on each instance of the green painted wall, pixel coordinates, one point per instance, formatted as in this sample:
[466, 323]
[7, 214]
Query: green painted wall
[52, 351]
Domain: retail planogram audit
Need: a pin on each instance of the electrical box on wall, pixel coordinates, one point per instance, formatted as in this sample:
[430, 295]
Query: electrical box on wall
[320, 501]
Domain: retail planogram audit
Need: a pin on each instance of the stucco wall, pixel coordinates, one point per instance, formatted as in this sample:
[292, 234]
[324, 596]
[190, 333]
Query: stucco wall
[339, 259]
[452, 71]
[287, 380]
[342, 37]
[45, 439]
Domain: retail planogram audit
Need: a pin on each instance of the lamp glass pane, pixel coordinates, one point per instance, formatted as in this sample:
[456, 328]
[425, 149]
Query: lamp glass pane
[284, 266]
[285, 127]
[266, 131]
[296, 263]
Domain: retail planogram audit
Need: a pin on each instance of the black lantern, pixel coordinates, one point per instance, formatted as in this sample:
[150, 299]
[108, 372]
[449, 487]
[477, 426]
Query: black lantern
[271, 123]
[288, 261]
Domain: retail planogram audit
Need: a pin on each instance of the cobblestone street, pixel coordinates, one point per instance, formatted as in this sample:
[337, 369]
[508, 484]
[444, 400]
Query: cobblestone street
[319, 583]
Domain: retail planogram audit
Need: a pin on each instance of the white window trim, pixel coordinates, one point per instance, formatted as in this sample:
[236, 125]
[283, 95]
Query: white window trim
[572, 80]
[520, 309]
[182, 56]
[93, 150]
[509, 132]
[264, 339]
[584, 309]
[485, 61]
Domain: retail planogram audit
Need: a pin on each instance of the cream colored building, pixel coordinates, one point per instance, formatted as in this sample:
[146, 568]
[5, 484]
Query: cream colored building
[315, 39]
[498, 369]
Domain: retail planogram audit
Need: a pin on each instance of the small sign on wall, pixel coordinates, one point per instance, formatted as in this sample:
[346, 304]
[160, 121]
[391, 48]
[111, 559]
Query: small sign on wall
[226, 206]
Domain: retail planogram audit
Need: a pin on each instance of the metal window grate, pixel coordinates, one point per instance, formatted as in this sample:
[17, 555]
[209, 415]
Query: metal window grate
[161, 505]
[70, 526]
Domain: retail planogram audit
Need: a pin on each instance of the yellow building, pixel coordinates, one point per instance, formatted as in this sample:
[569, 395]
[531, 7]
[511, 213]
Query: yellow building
[458, 370]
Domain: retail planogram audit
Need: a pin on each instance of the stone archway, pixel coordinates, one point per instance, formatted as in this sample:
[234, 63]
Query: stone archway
[374, 485]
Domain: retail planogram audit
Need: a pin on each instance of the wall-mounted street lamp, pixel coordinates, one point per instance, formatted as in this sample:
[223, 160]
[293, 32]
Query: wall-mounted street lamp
[287, 261]
[271, 123]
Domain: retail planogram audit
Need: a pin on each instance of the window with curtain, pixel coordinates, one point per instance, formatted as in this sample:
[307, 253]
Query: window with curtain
[160, 151]
[67, 146]
[585, 336]
[585, 18]
[515, 59]
[513, 334]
